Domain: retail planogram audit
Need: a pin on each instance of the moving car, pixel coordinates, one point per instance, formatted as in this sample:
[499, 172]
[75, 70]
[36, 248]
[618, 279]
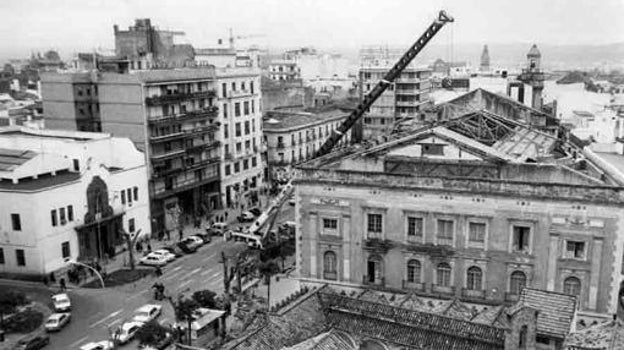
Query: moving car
[153, 260]
[57, 321]
[218, 228]
[128, 330]
[165, 253]
[246, 216]
[187, 247]
[147, 313]
[175, 250]
[206, 237]
[34, 343]
[61, 302]
[193, 241]
[101, 345]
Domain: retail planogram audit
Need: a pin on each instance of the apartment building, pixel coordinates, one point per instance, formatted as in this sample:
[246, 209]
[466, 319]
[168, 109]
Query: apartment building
[292, 137]
[404, 99]
[67, 195]
[240, 104]
[449, 212]
[284, 70]
[170, 115]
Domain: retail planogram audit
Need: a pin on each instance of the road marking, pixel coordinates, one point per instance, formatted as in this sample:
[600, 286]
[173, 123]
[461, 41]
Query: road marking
[176, 269]
[116, 321]
[74, 344]
[113, 314]
[194, 271]
[185, 283]
[208, 271]
[136, 295]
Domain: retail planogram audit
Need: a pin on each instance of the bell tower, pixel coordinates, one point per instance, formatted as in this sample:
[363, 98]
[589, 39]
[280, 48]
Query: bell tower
[532, 75]
[485, 60]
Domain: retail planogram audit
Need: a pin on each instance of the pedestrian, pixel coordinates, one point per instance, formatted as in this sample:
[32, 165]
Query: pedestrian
[180, 233]
[62, 284]
[52, 278]
[168, 235]
[149, 247]
[45, 280]
[158, 271]
[226, 215]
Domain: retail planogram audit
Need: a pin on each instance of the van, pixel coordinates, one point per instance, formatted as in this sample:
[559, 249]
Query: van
[218, 228]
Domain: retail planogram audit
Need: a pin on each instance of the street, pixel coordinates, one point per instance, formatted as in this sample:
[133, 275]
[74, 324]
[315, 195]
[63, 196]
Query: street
[94, 311]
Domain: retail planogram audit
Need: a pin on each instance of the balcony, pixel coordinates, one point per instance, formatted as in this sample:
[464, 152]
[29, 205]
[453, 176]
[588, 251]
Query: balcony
[381, 282]
[162, 171]
[167, 137]
[204, 145]
[473, 294]
[229, 156]
[444, 290]
[185, 186]
[409, 92]
[330, 275]
[415, 286]
[239, 93]
[208, 112]
[414, 103]
[179, 96]
[448, 241]
[211, 111]
[280, 145]
[203, 163]
[168, 154]
[410, 80]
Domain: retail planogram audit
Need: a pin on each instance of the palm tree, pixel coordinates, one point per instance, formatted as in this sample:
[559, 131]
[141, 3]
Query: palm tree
[267, 269]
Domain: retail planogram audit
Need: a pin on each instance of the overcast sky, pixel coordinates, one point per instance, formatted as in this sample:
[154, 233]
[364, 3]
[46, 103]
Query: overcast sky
[83, 24]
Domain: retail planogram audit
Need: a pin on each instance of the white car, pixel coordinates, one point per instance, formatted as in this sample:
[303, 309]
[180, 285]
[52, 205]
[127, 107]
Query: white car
[61, 302]
[101, 345]
[128, 330]
[147, 313]
[153, 260]
[197, 239]
[57, 321]
[165, 253]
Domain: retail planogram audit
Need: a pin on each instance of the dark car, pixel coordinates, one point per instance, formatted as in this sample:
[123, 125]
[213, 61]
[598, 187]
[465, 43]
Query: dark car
[35, 343]
[205, 236]
[175, 250]
[256, 211]
[187, 248]
[162, 343]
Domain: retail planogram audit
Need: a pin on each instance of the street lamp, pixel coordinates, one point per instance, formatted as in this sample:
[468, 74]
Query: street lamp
[90, 268]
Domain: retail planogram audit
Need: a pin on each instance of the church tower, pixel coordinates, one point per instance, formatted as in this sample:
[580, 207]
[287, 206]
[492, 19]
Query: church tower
[533, 76]
[485, 60]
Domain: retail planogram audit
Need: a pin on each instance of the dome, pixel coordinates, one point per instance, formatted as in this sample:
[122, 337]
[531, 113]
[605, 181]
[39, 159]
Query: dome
[534, 52]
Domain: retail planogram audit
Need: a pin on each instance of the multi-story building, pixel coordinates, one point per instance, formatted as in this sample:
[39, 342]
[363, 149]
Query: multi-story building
[239, 101]
[294, 137]
[67, 196]
[476, 209]
[284, 70]
[171, 115]
[404, 99]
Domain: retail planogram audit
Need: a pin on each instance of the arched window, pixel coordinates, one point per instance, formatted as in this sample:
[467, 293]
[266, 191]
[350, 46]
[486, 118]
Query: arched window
[413, 271]
[443, 275]
[572, 286]
[329, 262]
[474, 277]
[517, 282]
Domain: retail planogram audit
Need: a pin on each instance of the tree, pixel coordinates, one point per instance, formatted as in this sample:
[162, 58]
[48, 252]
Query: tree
[234, 260]
[267, 269]
[184, 309]
[130, 242]
[152, 333]
[9, 301]
[205, 298]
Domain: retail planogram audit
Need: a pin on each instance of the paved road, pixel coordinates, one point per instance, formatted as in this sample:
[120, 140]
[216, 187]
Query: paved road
[97, 310]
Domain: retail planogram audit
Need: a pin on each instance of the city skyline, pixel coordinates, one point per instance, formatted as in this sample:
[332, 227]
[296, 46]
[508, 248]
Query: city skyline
[38, 25]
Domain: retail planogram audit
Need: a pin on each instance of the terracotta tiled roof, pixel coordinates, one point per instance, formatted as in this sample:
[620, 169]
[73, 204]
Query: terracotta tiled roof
[332, 340]
[556, 310]
[604, 336]
[407, 327]
[493, 316]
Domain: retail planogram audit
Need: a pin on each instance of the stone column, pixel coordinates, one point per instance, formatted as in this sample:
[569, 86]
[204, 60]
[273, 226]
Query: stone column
[594, 277]
[553, 254]
[313, 245]
[346, 248]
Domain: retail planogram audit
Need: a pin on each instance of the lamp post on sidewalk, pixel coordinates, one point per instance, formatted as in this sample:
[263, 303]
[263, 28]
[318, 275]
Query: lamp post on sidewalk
[90, 268]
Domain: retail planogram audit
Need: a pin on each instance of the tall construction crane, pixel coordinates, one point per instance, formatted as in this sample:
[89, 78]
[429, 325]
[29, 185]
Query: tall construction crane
[442, 19]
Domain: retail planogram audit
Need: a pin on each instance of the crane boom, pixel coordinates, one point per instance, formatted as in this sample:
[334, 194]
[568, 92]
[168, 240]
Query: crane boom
[379, 89]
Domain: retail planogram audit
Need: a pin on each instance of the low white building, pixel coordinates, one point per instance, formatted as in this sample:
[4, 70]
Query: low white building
[67, 196]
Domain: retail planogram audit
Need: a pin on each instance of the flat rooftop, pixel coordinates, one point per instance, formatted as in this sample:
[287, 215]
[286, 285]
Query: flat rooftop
[281, 120]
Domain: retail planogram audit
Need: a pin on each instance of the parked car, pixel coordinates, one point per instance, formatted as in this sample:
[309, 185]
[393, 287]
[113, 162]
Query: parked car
[255, 211]
[246, 216]
[206, 237]
[153, 260]
[193, 240]
[218, 228]
[61, 302]
[147, 313]
[101, 345]
[169, 257]
[57, 321]
[128, 330]
[175, 250]
[186, 247]
[34, 343]
[161, 345]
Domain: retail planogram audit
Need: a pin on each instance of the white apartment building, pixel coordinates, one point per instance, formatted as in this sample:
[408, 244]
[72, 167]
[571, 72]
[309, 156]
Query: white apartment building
[239, 101]
[66, 196]
[284, 70]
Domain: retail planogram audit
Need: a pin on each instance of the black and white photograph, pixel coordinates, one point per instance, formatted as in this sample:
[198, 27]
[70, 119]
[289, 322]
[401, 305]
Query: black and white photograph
[312, 175]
